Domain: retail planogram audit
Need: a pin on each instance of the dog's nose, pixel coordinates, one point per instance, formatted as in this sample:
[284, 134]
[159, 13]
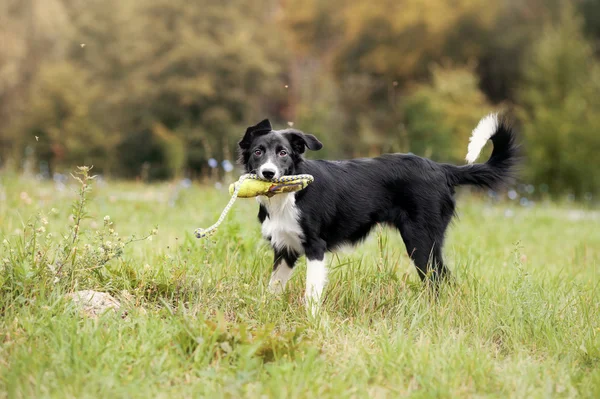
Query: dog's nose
[268, 174]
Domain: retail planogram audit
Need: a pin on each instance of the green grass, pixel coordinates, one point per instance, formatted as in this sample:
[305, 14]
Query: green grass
[522, 319]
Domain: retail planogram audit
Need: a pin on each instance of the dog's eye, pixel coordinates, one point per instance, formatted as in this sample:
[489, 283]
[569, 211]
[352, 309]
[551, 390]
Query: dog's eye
[258, 153]
[282, 153]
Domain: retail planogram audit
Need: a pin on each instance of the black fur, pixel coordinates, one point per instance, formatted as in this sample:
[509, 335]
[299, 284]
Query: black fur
[348, 198]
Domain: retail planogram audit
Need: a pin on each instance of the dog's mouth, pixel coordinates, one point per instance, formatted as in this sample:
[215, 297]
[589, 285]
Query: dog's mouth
[267, 178]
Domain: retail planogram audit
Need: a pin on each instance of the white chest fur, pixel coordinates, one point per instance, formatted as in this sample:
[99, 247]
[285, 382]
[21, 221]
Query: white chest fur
[282, 224]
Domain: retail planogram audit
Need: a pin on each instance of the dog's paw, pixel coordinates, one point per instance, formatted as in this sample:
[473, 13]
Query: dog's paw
[313, 306]
[276, 287]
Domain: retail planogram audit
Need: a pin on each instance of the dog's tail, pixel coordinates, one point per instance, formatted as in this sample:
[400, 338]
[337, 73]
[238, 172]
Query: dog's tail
[499, 169]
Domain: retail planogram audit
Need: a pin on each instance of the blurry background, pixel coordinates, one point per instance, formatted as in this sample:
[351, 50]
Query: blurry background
[155, 89]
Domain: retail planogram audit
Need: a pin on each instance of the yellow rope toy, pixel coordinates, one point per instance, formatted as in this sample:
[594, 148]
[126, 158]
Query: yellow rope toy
[250, 185]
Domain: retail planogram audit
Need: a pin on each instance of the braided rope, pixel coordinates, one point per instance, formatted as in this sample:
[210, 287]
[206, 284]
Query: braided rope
[202, 233]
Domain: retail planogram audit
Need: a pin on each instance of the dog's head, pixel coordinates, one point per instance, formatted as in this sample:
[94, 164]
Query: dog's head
[274, 153]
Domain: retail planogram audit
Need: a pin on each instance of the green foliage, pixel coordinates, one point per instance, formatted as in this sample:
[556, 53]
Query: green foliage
[42, 259]
[219, 341]
[152, 154]
[423, 134]
[440, 116]
[559, 109]
[201, 72]
[90, 82]
[62, 119]
[173, 147]
[373, 53]
[381, 36]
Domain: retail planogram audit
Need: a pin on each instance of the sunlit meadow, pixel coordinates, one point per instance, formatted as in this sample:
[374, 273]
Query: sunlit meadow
[521, 317]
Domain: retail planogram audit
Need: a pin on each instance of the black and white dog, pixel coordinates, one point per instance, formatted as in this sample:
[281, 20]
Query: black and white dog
[347, 198]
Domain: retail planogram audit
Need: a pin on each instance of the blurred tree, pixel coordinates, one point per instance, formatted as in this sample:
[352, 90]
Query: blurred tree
[559, 109]
[517, 25]
[28, 36]
[440, 116]
[590, 10]
[154, 153]
[376, 49]
[63, 119]
[157, 87]
[202, 72]
[316, 26]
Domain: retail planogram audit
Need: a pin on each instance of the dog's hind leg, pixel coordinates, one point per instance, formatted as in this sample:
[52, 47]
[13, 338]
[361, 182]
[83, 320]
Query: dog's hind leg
[425, 249]
[283, 266]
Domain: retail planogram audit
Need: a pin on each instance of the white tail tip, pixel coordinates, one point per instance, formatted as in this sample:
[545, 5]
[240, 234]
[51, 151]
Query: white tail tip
[485, 129]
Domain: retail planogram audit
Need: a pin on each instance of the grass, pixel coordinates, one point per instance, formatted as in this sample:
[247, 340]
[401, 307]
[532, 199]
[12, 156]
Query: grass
[522, 319]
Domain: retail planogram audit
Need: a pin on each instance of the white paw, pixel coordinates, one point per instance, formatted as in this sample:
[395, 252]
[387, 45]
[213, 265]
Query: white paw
[276, 287]
[313, 305]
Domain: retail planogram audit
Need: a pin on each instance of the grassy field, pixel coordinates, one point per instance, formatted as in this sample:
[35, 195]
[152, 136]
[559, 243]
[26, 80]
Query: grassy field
[522, 319]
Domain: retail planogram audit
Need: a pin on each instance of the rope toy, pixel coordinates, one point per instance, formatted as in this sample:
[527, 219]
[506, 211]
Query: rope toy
[250, 185]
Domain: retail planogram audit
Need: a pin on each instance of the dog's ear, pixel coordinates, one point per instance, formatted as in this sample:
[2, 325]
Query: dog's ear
[300, 141]
[262, 127]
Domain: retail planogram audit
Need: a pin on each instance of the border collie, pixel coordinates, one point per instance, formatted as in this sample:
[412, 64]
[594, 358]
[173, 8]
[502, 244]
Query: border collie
[347, 198]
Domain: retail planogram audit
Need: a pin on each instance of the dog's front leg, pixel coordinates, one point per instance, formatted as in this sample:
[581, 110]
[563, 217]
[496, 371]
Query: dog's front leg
[316, 275]
[283, 267]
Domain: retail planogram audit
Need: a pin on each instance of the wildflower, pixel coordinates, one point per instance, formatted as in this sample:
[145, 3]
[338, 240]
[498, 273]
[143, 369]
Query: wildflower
[54, 211]
[154, 232]
[49, 236]
[41, 229]
[101, 250]
[107, 244]
[106, 219]
[44, 221]
[5, 242]
[149, 238]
